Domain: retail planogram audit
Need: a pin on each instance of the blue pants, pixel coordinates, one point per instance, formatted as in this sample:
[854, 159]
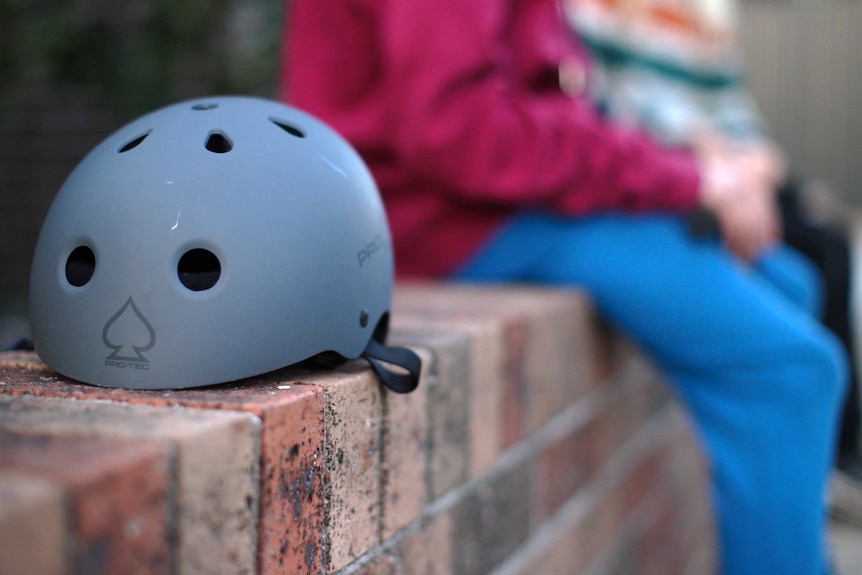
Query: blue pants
[762, 380]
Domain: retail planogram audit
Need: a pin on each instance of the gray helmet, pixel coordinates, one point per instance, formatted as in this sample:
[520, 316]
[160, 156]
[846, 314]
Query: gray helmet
[209, 241]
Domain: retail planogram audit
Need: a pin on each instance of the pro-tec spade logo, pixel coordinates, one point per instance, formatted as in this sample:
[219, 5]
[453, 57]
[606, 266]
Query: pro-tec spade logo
[129, 335]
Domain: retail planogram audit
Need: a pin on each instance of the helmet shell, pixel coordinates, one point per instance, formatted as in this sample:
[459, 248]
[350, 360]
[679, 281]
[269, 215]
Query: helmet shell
[208, 241]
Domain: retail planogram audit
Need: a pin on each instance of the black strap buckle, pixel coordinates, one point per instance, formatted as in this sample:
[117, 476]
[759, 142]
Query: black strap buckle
[379, 354]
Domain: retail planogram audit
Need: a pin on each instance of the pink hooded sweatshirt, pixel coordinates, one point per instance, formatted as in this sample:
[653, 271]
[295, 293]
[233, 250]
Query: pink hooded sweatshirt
[467, 112]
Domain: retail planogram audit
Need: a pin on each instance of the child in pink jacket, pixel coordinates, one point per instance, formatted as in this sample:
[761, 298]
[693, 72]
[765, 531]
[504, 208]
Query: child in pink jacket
[495, 166]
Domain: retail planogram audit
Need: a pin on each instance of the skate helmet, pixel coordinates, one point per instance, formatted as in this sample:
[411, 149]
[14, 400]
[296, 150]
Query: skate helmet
[213, 240]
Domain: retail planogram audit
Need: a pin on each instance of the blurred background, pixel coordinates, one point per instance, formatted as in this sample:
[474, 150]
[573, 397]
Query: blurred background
[71, 72]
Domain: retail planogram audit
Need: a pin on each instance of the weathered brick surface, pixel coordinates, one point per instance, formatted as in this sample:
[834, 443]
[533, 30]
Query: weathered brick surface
[113, 495]
[659, 517]
[557, 546]
[292, 480]
[404, 454]
[608, 417]
[483, 396]
[215, 462]
[491, 522]
[429, 550]
[448, 440]
[561, 469]
[352, 461]
[634, 514]
[33, 521]
[539, 441]
[425, 550]
[530, 356]
[548, 347]
[291, 452]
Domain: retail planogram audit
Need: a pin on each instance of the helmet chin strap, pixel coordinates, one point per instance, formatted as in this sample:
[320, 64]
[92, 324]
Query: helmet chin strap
[378, 355]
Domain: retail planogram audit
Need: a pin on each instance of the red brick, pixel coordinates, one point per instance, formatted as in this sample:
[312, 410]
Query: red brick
[292, 481]
[686, 480]
[492, 520]
[558, 363]
[622, 407]
[447, 403]
[383, 564]
[352, 420]
[216, 496]
[346, 468]
[610, 351]
[426, 550]
[23, 361]
[688, 464]
[484, 394]
[117, 493]
[546, 336]
[292, 474]
[668, 522]
[649, 505]
[603, 519]
[404, 454]
[606, 418]
[561, 469]
[640, 395]
[557, 547]
[643, 479]
[32, 526]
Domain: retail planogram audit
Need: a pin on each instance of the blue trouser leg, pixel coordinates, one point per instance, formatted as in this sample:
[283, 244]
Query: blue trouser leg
[760, 377]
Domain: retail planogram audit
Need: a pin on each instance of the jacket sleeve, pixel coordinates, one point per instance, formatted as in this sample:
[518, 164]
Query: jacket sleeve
[464, 118]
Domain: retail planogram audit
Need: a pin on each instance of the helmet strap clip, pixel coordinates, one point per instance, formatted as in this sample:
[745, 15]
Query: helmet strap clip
[379, 355]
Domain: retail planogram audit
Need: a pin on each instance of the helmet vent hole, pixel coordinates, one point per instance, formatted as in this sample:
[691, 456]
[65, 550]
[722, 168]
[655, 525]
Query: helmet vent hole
[80, 266]
[134, 143]
[292, 130]
[218, 143]
[203, 106]
[199, 269]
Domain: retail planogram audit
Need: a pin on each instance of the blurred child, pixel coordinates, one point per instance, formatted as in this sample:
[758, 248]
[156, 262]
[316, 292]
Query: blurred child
[494, 164]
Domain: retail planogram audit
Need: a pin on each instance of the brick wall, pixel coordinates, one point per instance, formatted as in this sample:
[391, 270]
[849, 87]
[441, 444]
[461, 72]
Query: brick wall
[539, 442]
